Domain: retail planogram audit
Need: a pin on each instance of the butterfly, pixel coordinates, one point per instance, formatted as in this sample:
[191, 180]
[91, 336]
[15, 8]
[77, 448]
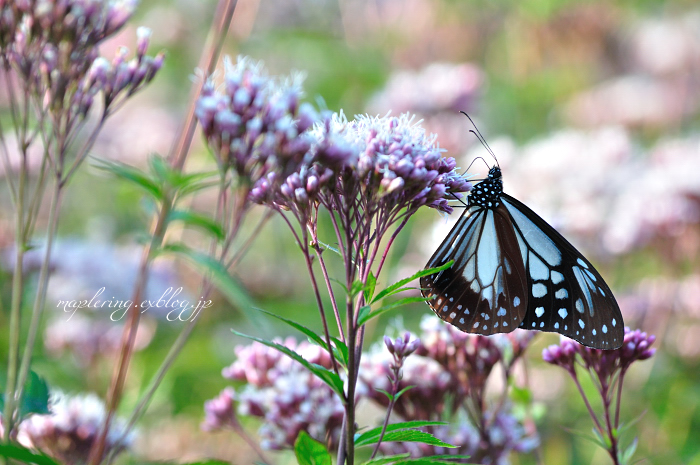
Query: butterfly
[513, 270]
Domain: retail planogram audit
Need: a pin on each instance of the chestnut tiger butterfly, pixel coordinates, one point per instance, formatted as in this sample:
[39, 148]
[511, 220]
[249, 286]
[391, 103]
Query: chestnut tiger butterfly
[513, 270]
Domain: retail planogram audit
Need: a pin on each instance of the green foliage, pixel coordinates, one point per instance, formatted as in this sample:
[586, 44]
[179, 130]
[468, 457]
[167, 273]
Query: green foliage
[327, 376]
[372, 436]
[310, 452]
[35, 398]
[23, 455]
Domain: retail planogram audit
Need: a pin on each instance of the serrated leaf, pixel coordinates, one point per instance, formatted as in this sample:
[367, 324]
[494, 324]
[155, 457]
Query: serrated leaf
[396, 287]
[386, 460]
[198, 220]
[370, 286]
[309, 451]
[218, 274]
[433, 460]
[370, 436]
[132, 175]
[412, 435]
[365, 317]
[14, 451]
[327, 376]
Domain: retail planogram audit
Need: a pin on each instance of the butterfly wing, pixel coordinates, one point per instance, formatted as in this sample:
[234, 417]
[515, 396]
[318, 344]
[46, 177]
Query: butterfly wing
[567, 295]
[485, 291]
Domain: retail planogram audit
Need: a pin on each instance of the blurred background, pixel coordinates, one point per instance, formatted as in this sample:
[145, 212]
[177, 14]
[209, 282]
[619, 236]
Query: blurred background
[592, 108]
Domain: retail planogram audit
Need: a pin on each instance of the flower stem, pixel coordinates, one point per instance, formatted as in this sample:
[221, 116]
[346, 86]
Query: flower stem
[16, 305]
[40, 300]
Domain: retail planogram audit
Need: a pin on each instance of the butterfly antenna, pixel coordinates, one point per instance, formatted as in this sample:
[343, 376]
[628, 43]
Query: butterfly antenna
[481, 138]
[477, 158]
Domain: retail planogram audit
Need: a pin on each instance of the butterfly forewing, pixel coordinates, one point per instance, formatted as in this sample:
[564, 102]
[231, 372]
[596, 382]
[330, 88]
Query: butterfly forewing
[485, 290]
[567, 295]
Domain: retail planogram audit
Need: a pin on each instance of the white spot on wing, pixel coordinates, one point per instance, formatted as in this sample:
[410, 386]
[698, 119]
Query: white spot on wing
[556, 325]
[594, 332]
[488, 252]
[538, 270]
[557, 277]
[516, 301]
[581, 324]
[501, 312]
[539, 311]
[579, 305]
[539, 290]
[582, 263]
[453, 315]
[563, 313]
[614, 322]
[561, 294]
[605, 329]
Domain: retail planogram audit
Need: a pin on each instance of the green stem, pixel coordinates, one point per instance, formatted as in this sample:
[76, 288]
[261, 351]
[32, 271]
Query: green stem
[40, 301]
[16, 307]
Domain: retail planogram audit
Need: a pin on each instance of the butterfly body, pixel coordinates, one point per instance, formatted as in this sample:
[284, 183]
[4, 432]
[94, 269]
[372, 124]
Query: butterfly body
[511, 269]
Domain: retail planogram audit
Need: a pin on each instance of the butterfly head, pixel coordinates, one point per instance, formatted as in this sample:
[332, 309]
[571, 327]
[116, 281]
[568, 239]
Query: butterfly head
[488, 192]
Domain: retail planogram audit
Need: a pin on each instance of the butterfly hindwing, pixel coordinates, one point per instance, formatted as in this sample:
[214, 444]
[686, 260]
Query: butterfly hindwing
[485, 290]
[567, 295]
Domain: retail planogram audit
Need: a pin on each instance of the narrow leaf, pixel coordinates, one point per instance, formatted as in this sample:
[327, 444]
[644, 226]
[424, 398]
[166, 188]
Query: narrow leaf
[387, 460]
[412, 435]
[370, 436]
[341, 349]
[218, 274]
[629, 451]
[198, 220]
[394, 288]
[13, 451]
[311, 334]
[370, 286]
[133, 175]
[365, 317]
[309, 451]
[331, 379]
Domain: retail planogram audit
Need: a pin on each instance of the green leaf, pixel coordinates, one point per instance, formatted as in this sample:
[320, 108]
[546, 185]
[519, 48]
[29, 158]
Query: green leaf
[331, 379]
[219, 275]
[340, 351]
[370, 286]
[356, 288]
[35, 398]
[432, 460]
[387, 460]
[397, 286]
[521, 395]
[132, 175]
[161, 169]
[365, 316]
[17, 452]
[629, 452]
[400, 393]
[412, 435]
[309, 451]
[303, 329]
[371, 436]
[198, 220]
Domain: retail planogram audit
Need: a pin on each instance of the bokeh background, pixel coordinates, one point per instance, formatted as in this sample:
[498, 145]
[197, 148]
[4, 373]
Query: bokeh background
[592, 107]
